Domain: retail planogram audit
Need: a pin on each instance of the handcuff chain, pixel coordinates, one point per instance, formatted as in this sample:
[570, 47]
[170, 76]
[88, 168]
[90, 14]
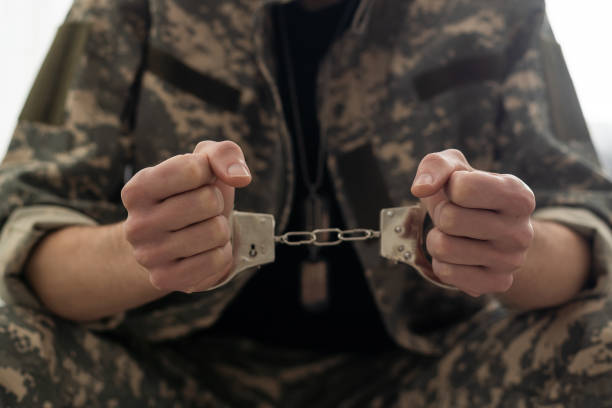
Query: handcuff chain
[317, 236]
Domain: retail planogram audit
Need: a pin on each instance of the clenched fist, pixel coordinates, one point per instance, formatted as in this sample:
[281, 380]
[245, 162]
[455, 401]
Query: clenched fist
[482, 227]
[178, 216]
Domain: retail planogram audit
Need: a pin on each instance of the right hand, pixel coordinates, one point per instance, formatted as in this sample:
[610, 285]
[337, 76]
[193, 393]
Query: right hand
[178, 216]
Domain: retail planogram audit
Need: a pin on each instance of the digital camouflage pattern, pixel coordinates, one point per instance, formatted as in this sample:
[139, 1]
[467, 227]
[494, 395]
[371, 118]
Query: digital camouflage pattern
[559, 358]
[384, 87]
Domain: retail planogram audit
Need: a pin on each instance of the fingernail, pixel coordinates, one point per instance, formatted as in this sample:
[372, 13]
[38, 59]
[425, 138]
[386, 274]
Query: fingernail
[238, 170]
[423, 179]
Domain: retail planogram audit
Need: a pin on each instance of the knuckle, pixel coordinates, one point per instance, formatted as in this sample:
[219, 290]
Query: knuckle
[444, 246]
[207, 148]
[436, 244]
[212, 199]
[503, 283]
[523, 237]
[134, 229]
[433, 159]
[523, 198]
[529, 201]
[447, 217]
[214, 278]
[222, 258]
[459, 188]
[127, 194]
[145, 257]
[508, 282]
[430, 244]
[443, 270]
[161, 279]
[222, 230]
[227, 150]
[201, 146]
[529, 234]
[514, 260]
[525, 202]
[227, 146]
[225, 269]
[192, 167]
[217, 231]
[456, 154]
[228, 257]
[132, 191]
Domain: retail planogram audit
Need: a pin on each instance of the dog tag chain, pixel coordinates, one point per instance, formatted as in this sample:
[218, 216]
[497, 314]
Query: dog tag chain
[313, 270]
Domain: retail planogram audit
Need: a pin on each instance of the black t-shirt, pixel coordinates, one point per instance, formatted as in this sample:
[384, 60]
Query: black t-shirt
[269, 308]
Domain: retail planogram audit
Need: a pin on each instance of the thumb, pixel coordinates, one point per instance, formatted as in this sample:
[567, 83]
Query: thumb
[226, 161]
[434, 171]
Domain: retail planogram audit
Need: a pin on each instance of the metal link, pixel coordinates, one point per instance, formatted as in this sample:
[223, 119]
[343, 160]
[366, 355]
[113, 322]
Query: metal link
[315, 237]
[287, 238]
[323, 231]
[358, 234]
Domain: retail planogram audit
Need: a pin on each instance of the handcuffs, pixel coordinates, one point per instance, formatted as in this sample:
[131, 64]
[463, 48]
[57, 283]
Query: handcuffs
[401, 237]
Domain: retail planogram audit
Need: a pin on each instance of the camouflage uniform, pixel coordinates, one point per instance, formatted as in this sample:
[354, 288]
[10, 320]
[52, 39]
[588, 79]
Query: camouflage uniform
[407, 78]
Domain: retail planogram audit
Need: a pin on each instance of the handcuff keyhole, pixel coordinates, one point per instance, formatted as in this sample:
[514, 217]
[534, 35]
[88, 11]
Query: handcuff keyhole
[253, 251]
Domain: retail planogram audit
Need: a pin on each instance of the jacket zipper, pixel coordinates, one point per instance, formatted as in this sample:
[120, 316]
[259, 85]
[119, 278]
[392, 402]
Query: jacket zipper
[285, 139]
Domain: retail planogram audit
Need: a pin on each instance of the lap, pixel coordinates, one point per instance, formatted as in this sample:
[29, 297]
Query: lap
[556, 357]
[559, 357]
[48, 362]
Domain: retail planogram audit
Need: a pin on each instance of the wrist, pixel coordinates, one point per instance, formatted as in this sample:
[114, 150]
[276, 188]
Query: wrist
[555, 271]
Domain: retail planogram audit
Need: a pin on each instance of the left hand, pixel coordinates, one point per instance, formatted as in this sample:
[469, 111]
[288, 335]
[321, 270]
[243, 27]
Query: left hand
[482, 227]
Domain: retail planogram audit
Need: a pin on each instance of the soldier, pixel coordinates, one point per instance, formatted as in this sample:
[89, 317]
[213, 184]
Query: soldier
[124, 290]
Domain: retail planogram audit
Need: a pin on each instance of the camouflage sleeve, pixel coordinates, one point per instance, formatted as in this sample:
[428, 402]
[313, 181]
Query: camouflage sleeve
[561, 167]
[67, 158]
[19, 235]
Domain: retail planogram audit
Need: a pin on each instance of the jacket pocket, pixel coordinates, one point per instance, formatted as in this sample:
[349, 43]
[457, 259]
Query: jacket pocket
[168, 68]
[47, 98]
[459, 72]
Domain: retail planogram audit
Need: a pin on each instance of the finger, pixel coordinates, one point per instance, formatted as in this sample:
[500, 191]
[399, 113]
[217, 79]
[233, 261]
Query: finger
[500, 192]
[209, 281]
[474, 280]
[228, 194]
[185, 209]
[435, 169]
[173, 176]
[227, 162]
[482, 225]
[199, 238]
[190, 241]
[471, 252]
[434, 201]
[195, 271]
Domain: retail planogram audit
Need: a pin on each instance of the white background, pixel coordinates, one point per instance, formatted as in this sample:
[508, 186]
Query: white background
[583, 28]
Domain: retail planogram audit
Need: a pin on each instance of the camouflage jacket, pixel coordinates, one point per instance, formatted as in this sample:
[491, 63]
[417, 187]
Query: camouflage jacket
[130, 83]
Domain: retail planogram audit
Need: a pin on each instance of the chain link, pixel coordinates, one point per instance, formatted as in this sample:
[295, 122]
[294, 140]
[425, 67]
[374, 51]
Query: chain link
[317, 237]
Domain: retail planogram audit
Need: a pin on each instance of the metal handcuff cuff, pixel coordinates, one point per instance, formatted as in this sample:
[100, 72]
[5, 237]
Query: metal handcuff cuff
[401, 237]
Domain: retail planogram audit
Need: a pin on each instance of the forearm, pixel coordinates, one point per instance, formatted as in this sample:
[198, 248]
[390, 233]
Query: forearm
[86, 273]
[555, 270]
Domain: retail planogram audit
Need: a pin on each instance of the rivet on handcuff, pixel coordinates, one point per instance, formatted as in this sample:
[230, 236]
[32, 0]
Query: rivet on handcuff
[401, 239]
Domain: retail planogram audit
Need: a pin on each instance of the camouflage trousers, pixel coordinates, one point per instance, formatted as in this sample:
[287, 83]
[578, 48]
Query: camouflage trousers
[552, 358]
